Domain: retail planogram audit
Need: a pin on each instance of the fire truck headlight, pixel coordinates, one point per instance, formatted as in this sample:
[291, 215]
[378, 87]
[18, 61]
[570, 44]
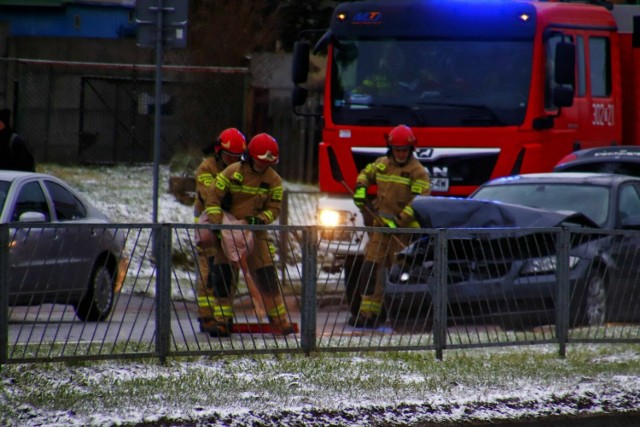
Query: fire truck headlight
[330, 218]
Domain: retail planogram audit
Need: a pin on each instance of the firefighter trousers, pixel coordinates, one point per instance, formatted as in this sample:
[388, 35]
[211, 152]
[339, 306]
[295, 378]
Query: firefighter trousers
[262, 271]
[379, 255]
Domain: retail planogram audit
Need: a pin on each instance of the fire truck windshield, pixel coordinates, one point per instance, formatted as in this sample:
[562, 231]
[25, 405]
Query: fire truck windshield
[450, 83]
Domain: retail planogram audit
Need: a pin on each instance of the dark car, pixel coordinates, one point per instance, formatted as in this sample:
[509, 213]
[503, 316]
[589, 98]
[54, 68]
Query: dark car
[621, 159]
[502, 268]
[59, 248]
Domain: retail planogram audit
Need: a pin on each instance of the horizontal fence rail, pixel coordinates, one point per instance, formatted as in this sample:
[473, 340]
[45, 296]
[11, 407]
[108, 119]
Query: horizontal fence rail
[96, 291]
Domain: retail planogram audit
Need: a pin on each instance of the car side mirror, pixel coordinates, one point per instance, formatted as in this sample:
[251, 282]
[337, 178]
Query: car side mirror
[300, 64]
[32, 216]
[563, 96]
[565, 64]
[298, 96]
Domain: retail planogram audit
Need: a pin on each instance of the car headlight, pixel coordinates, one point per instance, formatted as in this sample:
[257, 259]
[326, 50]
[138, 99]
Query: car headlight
[334, 218]
[330, 219]
[547, 264]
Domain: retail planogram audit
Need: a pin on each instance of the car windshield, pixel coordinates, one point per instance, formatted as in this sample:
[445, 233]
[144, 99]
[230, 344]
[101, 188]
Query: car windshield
[4, 189]
[590, 200]
[429, 82]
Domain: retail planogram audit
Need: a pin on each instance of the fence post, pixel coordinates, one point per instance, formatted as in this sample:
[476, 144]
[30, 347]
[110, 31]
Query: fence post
[308, 306]
[440, 293]
[562, 291]
[283, 237]
[4, 293]
[162, 252]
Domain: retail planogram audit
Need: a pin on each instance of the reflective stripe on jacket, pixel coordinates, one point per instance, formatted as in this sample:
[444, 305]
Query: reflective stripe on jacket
[252, 193]
[205, 180]
[397, 186]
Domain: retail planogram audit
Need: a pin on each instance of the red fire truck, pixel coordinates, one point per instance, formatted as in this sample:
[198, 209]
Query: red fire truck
[490, 88]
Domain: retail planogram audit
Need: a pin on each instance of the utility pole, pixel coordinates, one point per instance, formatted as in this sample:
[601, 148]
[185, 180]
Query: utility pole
[161, 24]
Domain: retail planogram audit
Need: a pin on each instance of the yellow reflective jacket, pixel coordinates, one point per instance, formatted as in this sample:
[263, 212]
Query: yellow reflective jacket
[397, 186]
[205, 180]
[245, 192]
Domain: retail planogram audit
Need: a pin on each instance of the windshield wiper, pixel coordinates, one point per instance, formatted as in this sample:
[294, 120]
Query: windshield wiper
[490, 117]
[414, 113]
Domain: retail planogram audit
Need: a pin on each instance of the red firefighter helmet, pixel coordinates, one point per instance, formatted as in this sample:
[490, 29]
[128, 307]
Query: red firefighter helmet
[401, 137]
[232, 142]
[264, 148]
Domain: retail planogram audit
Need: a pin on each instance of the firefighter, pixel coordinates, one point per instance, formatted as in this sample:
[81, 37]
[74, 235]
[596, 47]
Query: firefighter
[399, 177]
[225, 150]
[385, 80]
[255, 192]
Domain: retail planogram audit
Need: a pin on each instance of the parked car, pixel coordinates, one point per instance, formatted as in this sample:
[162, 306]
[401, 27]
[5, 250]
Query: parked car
[505, 271]
[620, 159]
[59, 248]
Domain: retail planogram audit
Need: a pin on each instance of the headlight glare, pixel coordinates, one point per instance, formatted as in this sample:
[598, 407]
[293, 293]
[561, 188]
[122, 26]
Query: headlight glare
[331, 218]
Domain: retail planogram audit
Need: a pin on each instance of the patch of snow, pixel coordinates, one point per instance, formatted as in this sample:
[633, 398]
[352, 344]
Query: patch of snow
[306, 402]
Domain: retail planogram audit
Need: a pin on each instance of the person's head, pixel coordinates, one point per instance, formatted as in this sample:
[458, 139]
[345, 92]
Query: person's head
[401, 142]
[262, 151]
[230, 145]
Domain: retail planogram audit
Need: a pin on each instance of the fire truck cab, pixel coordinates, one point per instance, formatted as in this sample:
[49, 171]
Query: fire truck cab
[490, 88]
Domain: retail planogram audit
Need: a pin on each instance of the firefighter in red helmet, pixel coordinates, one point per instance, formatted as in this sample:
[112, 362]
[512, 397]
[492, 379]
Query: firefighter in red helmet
[399, 177]
[225, 150]
[255, 191]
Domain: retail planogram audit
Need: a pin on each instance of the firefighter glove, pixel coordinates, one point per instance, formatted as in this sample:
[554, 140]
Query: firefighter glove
[389, 222]
[359, 196]
[254, 220]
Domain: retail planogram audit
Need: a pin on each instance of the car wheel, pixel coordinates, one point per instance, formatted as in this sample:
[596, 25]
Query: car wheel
[98, 300]
[595, 308]
[352, 267]
[591, 304]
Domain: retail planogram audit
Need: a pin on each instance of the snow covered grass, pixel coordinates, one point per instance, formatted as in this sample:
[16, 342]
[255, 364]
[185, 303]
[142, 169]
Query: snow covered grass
[124, 193]
[405, 388]
[338, 389]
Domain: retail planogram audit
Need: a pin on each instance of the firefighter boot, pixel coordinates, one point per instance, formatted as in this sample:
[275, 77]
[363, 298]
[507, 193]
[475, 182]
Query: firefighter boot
[362, 320]
[206, 323]
[280, 325]
[220, 328]
[370, 315]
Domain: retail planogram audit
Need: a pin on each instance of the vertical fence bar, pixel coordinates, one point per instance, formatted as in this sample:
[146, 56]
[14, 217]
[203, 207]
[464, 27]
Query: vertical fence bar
[563, 290]
[4, 293]
[284, 232]
[162, 252]
[440, 293]
[308, 306]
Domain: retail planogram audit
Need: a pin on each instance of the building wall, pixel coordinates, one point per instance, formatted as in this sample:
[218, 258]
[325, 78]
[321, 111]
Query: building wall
[92, 100]
[70, 19]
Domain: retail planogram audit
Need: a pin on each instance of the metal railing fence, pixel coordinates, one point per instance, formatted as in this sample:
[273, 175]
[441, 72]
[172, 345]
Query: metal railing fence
[449, 288]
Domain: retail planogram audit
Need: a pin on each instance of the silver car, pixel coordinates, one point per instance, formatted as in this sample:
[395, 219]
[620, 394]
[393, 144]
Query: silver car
[61, 249]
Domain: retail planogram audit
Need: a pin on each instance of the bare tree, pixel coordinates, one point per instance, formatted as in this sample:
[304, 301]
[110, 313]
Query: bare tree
[225, 32]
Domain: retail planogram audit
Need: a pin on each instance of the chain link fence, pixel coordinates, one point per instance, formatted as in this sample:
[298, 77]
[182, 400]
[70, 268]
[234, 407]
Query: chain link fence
[450, 289]
[103, 113]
